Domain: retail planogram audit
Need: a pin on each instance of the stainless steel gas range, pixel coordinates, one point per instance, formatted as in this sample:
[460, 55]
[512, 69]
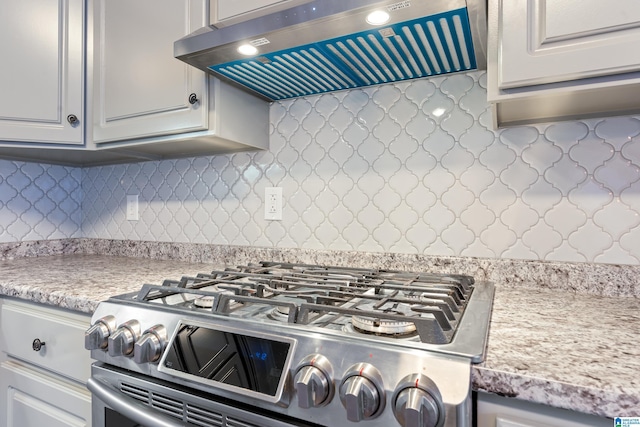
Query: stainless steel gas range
[275, 344]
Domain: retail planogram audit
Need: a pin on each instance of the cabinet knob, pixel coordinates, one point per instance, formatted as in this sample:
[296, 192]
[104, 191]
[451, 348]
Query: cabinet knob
[73, 119]
[37, 345]
[193, 98]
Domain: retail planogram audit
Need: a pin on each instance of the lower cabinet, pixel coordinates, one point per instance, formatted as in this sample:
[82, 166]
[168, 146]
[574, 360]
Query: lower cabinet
[32, 397]
[43, 366]
[498, 411]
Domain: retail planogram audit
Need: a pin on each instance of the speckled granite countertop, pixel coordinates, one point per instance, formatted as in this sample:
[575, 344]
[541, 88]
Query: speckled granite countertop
[80, 282]
[574, 351]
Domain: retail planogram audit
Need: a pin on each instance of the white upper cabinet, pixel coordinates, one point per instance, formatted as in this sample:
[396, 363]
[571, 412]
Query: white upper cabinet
[551, 41]
[227, 12]
[41, 76]
[139, 89]
[562, 59]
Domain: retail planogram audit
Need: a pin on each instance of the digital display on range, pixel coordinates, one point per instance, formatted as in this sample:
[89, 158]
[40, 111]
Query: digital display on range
[244, 361]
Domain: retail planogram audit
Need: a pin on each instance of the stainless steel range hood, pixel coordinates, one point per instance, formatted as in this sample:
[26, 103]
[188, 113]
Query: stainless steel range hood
[327, 45]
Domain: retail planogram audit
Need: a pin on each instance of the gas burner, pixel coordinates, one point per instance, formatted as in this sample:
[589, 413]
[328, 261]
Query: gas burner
[279, 314]
[384, 327]
[409, 337]
[204, 301]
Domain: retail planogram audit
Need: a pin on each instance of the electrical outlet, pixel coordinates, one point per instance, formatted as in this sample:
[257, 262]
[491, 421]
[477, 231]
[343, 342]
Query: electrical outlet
[273, 203]
[132, 207]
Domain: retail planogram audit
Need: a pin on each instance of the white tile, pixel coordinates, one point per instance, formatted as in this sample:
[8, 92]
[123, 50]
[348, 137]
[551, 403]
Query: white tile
[616, 255]
[565, 175]
[540, 154]
[498, 237]
[402, 111]
[458, 237]
[541, 196]
[590, 196]
[519, 217]
[519, 250]
[412, 167]
[591, 153]
[497, 157]
[541, 239]
[590, 240]
[457, 122]
[477, 139]
[474, 101]
[478, 217]
[519, 176]
[438, 106]
[439, 217]
[618, 130]
[498, 197]
[386, 96]
[387, 130]
[617, 219]
[327, 105]
[519, 138]
[458, 198]
[566, 133]
[420, 91]
[617, 174]
[477, 178]
[456, 85]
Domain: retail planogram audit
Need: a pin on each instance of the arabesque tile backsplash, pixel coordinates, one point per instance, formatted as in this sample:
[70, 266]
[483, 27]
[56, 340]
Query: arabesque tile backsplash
[411, 167]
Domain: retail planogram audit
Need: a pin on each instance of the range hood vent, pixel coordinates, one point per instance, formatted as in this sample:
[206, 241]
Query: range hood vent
[337, 50]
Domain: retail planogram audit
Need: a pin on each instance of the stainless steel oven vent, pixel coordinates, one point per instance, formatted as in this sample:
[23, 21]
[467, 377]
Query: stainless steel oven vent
[184, 411]
[326, 45]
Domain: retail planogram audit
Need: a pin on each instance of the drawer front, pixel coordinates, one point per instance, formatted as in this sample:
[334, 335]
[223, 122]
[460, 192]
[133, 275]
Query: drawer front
[61, 332]
[29, 397]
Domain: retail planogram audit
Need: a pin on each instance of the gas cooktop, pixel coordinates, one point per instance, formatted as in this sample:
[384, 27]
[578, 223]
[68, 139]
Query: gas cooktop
[415, 307]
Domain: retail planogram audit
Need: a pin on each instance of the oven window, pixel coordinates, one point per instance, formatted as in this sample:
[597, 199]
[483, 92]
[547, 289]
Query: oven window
[243, 361]
[114, 419]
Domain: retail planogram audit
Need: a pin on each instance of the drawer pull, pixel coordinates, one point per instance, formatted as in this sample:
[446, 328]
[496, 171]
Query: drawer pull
[37, 345]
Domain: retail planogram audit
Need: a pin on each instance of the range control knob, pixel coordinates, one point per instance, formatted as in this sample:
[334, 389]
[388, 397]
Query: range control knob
[121, 342]
[96, 337]
[313, 381]
[418, 403]
[362, 392]
[151, 344]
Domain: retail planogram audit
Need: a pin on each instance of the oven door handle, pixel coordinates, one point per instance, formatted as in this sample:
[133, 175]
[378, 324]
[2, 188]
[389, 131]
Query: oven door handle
[128, 407]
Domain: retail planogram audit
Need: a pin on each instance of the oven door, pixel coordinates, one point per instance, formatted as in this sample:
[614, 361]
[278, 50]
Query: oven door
[124, 399]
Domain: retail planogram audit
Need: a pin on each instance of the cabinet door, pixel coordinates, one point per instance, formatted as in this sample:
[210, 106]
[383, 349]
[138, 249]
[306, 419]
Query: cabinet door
[29, 397]
[139, 88]
[498, 411]
[41, 77]
[547, 41]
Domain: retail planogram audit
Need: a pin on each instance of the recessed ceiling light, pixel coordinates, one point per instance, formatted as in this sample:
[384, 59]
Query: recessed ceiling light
[378, 17]
[247, 49]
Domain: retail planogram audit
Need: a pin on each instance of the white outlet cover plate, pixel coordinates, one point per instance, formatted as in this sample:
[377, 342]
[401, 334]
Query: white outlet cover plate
[132, 207]
[273, 203]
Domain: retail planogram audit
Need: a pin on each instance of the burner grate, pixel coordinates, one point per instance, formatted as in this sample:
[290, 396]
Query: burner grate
[382, 302]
